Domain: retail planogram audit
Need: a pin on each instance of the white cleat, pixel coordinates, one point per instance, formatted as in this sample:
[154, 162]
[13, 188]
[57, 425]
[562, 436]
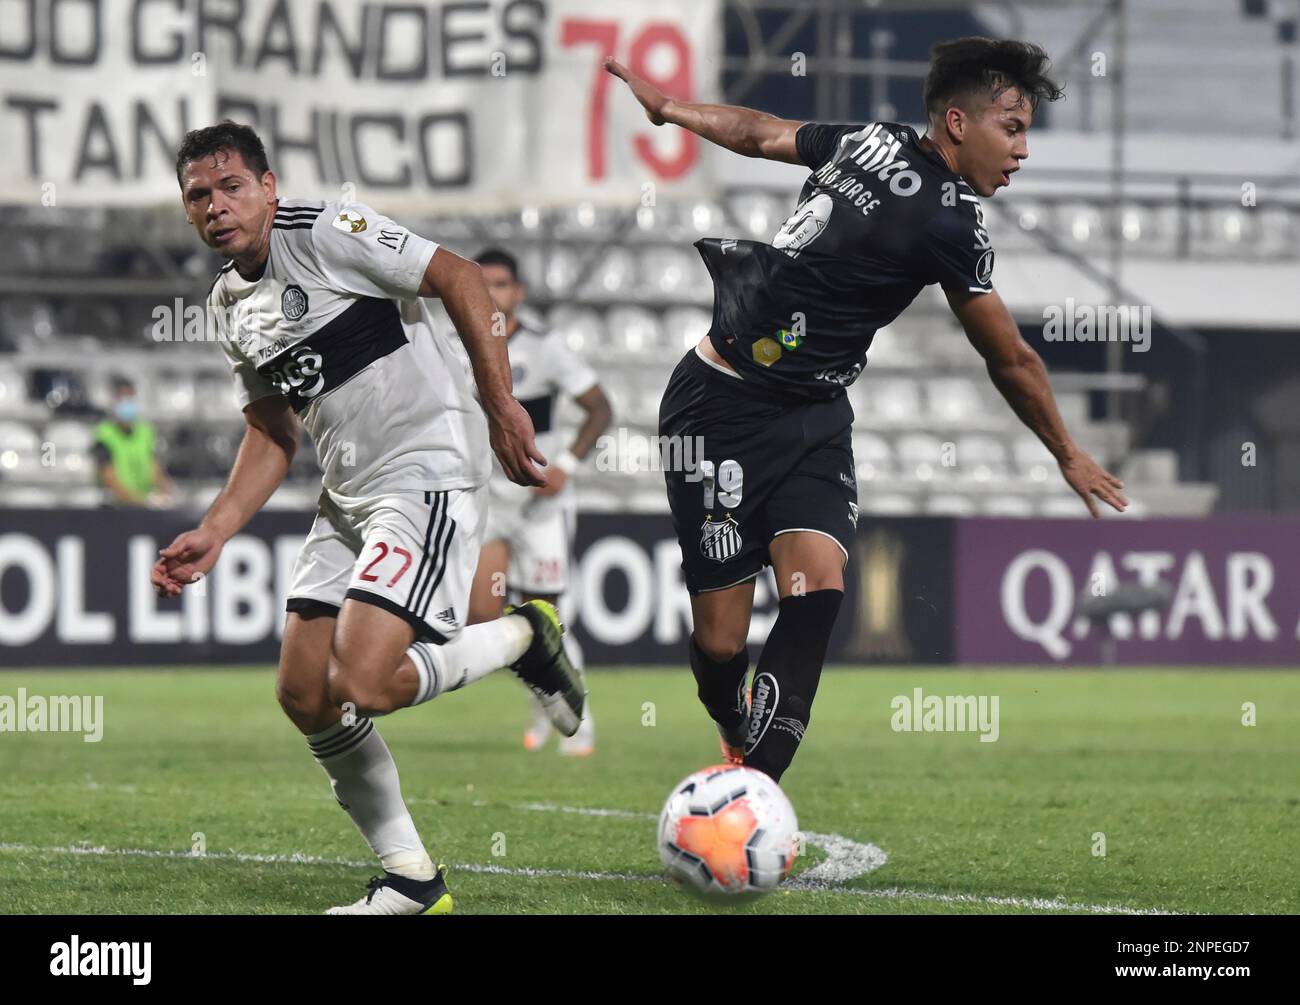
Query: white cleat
[393, 894]
[539, 727]
[583, 742]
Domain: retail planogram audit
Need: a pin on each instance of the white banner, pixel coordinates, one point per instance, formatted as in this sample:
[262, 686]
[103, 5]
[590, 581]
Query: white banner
[476, 105]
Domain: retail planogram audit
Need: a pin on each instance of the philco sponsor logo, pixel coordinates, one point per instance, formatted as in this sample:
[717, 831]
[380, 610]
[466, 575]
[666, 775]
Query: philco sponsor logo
[766, 694]
[950, 713]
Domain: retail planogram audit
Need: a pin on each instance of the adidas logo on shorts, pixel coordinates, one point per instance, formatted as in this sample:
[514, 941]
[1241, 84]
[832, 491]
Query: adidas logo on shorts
[447, 617]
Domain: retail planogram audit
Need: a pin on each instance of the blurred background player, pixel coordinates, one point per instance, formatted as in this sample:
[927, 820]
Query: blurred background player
[125, 456]
[529, 530]
[884, 213]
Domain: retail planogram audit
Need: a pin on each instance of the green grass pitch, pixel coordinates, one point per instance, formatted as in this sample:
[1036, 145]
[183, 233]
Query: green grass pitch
[1199, 812]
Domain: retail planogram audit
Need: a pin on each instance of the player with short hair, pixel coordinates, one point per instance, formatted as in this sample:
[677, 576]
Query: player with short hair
[526, 544]
[321, 315]
[884, 213]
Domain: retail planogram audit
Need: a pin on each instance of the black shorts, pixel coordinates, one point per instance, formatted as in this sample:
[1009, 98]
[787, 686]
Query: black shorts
[744, 465]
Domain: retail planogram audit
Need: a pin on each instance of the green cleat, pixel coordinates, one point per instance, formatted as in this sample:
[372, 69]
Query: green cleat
[546, 671]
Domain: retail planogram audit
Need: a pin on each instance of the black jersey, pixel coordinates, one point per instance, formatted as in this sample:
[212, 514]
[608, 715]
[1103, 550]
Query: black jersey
[879, 218]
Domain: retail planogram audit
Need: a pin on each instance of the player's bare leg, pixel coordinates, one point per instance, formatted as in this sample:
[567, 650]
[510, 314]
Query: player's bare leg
[720, 661]
[809, 571]
[488, 594]
[377, 666]
[302, 683]
[360, 768]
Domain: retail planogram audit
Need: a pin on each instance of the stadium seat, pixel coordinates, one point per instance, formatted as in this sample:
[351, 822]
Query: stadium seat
[20, 451]
[214, 396]
[873, 456]
[219, 452]
[891, 347]
[613, 278]
[954, 400]
[1007, 505]
[673, 273]
[172, 396]
[561, 272]
[949, 505]
[685, 326]
[758, 214]
[887, 504]
[1032, 458]
[588, 221]
[923, 455]
[92, 316]
[70, 435]
[13, 389]
[1082, 223]
[704, 218]
[656, 223]
[582, 328]
[894, 399]
[1063, 506]
[27, 319]
[981, 457]
[635, 330]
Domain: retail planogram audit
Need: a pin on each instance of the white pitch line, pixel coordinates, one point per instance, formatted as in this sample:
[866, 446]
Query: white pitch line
[893, 893]
[299, 858]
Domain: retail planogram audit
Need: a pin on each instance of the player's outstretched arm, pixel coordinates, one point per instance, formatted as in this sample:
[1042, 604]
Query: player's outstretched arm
[270, 441]
[459, 284]
[742, 130]
[1018, 372]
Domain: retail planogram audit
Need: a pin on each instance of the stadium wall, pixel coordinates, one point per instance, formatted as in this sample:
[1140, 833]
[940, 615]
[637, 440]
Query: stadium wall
[74, 591]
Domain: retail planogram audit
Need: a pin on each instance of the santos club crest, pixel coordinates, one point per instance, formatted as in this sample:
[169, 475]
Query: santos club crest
[720, 541]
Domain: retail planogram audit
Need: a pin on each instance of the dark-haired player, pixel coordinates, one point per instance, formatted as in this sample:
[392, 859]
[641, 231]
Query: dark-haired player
[884, 213]
[320, 313]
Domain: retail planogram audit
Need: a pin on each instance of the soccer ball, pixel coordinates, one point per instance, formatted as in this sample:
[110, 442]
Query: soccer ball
[728, 830]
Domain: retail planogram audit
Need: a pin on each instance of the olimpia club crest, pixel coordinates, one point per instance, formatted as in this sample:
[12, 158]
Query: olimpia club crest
[720, 541]
[293, 302]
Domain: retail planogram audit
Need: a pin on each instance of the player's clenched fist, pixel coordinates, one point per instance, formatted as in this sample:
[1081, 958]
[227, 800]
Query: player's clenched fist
[184, 561]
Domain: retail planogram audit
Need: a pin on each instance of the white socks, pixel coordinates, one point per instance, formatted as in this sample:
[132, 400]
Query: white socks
[475, 653]
[360, 768]
[364, 779]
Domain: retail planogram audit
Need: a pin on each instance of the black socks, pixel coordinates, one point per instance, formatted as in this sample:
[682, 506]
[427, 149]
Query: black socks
[786, 679]
[721, 686]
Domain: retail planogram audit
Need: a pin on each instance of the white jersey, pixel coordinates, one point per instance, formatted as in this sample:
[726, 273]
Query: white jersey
[542, 367]
[336, 326]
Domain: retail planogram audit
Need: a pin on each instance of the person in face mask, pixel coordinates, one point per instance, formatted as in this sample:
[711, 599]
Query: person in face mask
[124, 453]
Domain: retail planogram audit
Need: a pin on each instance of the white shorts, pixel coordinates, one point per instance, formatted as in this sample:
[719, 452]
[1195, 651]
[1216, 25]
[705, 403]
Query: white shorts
[537, 532]
[411, 553]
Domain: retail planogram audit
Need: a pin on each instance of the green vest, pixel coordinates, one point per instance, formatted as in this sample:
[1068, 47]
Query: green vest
[131, 454]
